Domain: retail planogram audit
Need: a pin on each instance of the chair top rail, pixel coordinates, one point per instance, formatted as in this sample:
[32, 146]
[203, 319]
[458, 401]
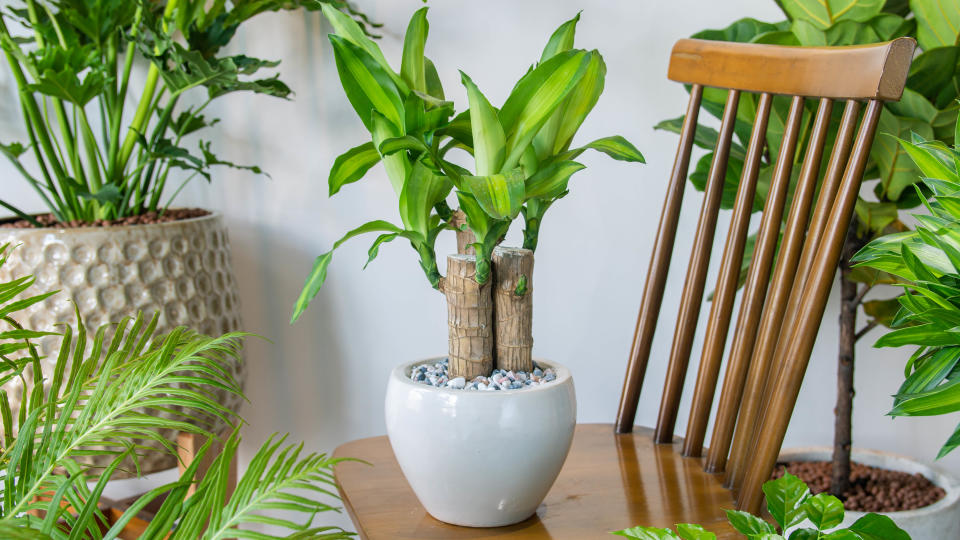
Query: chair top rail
[876, 71]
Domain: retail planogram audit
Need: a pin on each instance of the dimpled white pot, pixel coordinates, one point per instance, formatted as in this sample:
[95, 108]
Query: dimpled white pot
[939, 521]
[480, 459]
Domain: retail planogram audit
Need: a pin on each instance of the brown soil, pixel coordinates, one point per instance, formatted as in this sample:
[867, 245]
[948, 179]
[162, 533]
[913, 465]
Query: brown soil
[47, 220]
[872, 489]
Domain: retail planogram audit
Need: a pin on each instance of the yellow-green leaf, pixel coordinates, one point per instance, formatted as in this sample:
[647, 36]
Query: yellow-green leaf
[352, 165]
[488, 137]
[413, 67]
[500, 195]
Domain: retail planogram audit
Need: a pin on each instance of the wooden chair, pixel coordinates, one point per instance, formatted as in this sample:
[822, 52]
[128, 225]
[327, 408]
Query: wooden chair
[619, 476]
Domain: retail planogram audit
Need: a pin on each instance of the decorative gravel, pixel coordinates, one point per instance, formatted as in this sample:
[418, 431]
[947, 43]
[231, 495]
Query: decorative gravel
[436, 375]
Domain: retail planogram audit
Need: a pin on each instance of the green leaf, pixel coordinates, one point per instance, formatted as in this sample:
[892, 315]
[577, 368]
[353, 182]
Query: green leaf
[489, 142]
[878, 527]
[352, 165]
[930, 163]
[561, 40]
[413, 66]
[933, 75]
[367, 85]
[952, 443]
[689, 531]
[705, 137]
[882, 311]
[397, 165]
[897, 171]
[535, 97]
[420, 194]
[938, 22]
[742, 31]
[824, 510]
[943, 399]
[318, 274]
[579, 104]
[785, 497]
[500, 195]
[749, 524]
[825, 13]
[647, 533]
[805, 534]
[397, 144]
[551, 181]
[616, 147]
[434, 87]
[348, 29]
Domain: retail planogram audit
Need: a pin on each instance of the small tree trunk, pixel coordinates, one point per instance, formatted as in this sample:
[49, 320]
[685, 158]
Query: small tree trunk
[465, 237]
[513, 306]
[843, 413]
[469, 319]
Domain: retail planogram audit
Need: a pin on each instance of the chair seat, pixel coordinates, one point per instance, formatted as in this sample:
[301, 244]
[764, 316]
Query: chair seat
[609, 482]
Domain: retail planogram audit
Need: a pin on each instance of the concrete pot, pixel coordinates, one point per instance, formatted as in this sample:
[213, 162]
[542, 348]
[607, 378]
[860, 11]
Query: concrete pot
[939, 521]
[181, 270]
[451, 444]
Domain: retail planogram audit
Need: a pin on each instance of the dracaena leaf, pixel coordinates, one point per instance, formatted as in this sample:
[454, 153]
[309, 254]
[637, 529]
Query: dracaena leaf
[561, 40]
[551, 181]
[580, 102]
[348, 29]
[413, 67]
[367, 85]
[537, 95]
[352, 165]
[618, 148]
[500, 195]
[397, 144]
[420, 194]
[318, 274]
[434, 87]
[489, 143]
[397, 165]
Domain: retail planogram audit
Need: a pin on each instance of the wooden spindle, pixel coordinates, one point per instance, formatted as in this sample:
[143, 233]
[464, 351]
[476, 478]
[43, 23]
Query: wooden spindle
[692, 297]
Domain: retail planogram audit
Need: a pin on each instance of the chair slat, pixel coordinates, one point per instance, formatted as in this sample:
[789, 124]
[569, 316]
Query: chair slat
[803, 333]
[726, 289]
[755, 288]
[793, 263]
[692, 297]
[657, 271]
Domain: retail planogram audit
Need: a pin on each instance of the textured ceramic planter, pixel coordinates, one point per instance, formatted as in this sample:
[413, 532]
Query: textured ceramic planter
[181, 270]
[939, 521]
[480, 459]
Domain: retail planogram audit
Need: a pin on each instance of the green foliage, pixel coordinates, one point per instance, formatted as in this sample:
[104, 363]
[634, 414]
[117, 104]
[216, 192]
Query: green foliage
[77, 63]
[927, 261]
[928, 107]
[792, 507]
[522, 155]
[112, 400]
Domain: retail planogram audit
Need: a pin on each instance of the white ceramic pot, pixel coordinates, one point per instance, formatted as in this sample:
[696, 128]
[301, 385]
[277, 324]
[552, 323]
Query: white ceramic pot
[480, 459]
[180, 270]
[939, 521]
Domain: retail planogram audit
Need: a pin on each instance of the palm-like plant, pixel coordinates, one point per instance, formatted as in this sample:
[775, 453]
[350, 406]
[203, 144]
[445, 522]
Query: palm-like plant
[94, 156]
[927, 263]
[105, 403]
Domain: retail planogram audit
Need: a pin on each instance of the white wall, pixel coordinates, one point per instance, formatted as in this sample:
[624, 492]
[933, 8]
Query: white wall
[322, 380]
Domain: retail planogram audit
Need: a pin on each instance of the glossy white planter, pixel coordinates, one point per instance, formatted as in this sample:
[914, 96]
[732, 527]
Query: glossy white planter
[939, 521]
[480, 459]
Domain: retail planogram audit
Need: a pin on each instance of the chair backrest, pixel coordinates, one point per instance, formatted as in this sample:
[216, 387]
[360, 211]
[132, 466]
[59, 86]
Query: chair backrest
[782, 304]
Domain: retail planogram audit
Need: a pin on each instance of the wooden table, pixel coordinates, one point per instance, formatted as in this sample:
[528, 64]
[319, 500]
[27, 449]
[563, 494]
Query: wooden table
[609, 482]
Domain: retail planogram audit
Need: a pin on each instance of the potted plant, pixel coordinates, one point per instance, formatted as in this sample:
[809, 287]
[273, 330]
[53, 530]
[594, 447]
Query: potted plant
[107, 156]
[472, 408]
[105, 403]
[797, 514]
[926, 261]
[928, 107]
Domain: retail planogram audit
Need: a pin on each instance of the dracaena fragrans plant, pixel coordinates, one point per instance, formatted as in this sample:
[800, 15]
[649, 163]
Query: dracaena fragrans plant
[926, 263]
[105, 403]
[522, 160]
[100, 146]
[928, 107]
[798, 516]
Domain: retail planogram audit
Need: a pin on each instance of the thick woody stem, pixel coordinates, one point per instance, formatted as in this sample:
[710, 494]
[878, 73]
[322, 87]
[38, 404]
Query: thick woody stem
[513, 308]
[469, 319]
[465, 237]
